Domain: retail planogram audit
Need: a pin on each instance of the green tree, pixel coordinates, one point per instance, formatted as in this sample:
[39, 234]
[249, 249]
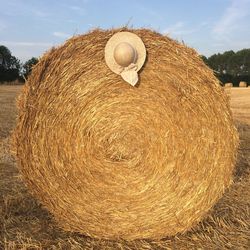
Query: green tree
[204, 59]
[28, 65]
[231, 63]
[9, 65]
[5, 56]
[243, 57]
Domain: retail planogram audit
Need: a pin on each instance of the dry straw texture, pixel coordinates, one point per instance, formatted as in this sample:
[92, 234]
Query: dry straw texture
[243, 84]
[114, 161]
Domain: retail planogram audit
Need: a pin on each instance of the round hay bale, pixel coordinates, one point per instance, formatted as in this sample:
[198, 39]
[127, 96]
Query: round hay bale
[110, 160]
[228, 85]
[243, 84]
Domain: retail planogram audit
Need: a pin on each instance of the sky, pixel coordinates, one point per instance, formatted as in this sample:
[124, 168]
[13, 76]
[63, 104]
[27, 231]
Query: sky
[30, 27]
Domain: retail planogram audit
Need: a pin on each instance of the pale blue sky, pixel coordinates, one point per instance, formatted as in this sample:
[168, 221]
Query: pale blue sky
[30, 27]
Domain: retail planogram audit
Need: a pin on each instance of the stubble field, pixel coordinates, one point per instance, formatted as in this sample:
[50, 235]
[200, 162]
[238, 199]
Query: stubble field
[25, 224]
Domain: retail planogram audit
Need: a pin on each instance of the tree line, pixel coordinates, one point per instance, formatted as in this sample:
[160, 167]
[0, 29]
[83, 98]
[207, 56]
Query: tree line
[229, 66]
[11, 68]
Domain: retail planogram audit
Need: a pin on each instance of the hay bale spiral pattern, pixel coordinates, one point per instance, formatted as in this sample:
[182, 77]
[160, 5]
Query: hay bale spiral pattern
[114, 161]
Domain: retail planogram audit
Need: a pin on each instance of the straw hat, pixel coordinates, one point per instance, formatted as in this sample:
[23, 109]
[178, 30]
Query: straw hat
[125, 54]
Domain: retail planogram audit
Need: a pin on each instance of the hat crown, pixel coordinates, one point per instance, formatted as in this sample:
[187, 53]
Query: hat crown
[125, 54]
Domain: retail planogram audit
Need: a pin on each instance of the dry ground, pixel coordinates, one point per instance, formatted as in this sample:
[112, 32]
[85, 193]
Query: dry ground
[25, 224]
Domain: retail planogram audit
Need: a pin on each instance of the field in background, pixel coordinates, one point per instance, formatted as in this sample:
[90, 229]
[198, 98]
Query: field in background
[240, 104]
[25, 224]
[8, 109]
